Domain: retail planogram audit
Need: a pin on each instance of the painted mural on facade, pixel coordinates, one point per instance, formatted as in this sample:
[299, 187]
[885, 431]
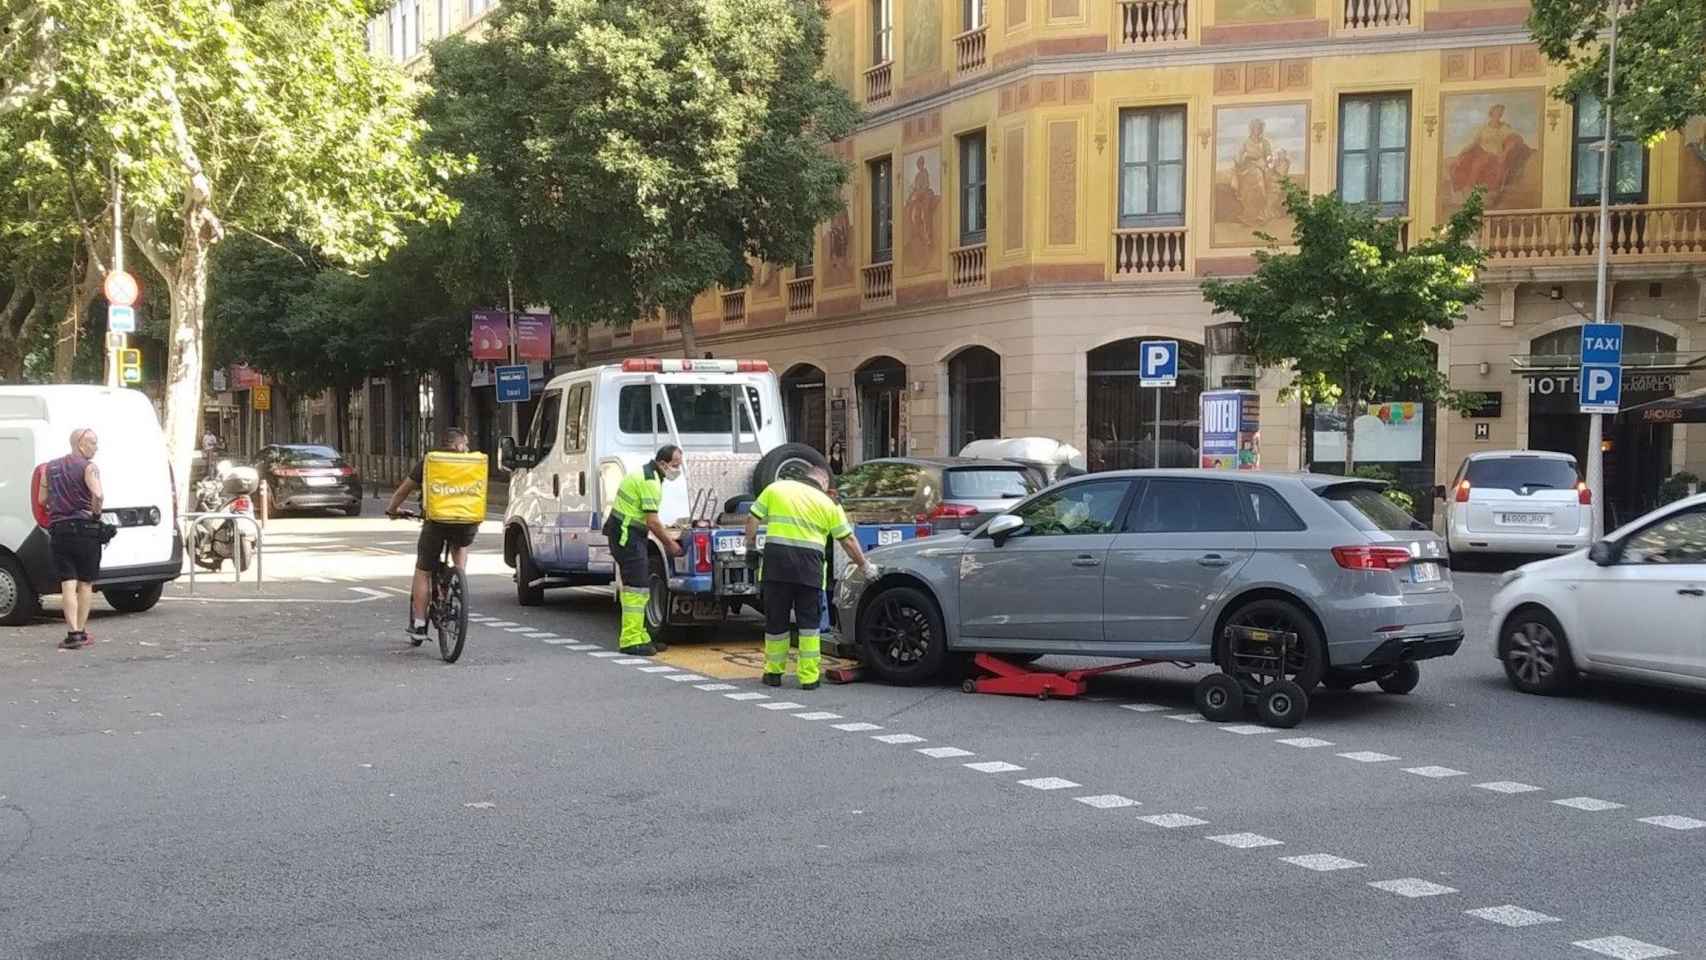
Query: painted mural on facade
[1250, 11]
[921, 212]
[923, 38]
[1491, 141]
[838, 50]
[1691, 185]
[838, 246]
[1257, 149]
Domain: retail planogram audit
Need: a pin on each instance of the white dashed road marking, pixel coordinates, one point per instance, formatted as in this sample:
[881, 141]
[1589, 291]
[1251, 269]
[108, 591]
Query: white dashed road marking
[1625, 948]
[1323, 862]
[814, 715]
[1367, 756]
[944, 753]
[604, 654]
[1413, 887]
[1245, 841]
[684, 677]
[713, 686]
[1507, 786]
[897, 738]
[1049, 783]
[631, 661]
[1588, 803]
[1675, 823]
[1511, 915]
[1144, 707]
[1188, 717]
[749, 695]
[994, 766]
[500, 623]
[782, 705]
[519, 630]
[1173, 821]
[657, 669]
[1305, 742]
[1436, 773]
[1247, 729]
[858, 727]
[584, 647]
[1107, 801]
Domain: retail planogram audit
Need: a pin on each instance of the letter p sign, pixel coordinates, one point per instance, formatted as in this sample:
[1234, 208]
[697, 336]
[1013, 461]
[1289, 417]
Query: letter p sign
[1602, 388]
[1158, 363]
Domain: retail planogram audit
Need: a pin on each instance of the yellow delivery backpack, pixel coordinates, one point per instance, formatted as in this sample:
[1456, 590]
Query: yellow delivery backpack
[453, 487]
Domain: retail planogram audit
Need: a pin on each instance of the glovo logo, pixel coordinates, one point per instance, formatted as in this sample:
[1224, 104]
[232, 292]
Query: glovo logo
[473, 488]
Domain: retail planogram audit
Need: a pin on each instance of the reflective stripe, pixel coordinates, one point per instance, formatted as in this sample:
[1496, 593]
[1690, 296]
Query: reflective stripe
[814, 546]
[775, 652]
[636, 497]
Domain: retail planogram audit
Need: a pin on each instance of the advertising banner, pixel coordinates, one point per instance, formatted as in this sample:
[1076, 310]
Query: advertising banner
[490, 335]
[1231, 437]
[245, 377]
[533, 336]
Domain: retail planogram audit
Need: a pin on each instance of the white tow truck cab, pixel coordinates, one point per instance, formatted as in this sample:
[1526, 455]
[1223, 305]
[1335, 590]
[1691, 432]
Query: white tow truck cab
[594, 426]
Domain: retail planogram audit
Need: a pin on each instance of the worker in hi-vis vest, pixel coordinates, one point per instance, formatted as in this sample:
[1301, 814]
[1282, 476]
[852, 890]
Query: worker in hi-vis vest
[799, 521]
[634, 515]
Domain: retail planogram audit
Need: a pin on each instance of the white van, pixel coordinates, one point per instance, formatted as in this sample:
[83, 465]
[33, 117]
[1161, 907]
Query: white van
[147, 553]
[594, 426]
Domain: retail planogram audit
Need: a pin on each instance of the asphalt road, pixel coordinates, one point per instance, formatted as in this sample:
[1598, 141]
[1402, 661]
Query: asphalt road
[280, 775]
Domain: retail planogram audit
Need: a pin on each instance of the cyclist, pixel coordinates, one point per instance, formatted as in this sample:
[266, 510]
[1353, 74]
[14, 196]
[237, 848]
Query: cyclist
[434, 535]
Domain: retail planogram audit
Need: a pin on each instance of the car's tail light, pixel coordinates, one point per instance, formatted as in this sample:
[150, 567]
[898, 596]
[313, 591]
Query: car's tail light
[958, 511]
[346, 471]
[923, 528]
[702, 552]
[38, 503]
[1463, 492]
[1371, 558]
[1584, 496]
[242, 505]
[288, 472]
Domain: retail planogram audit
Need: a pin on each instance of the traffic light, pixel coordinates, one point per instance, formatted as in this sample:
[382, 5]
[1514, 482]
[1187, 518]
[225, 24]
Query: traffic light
[130, 366]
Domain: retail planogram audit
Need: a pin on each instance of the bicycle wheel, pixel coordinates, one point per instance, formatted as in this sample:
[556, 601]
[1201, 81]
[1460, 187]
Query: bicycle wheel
[453, 618]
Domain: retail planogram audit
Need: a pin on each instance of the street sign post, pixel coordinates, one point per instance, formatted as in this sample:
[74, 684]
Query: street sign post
[512, 384]
[130, 365]
[120, 288]
[1158, 367]
[1601, 375]
[260, 398]
[121, 318]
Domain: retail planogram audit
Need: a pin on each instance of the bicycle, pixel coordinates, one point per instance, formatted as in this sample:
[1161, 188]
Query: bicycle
[447, 604]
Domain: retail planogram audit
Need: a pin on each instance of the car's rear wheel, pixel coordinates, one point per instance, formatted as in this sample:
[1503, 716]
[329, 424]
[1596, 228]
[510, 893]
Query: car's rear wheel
[902, 636]
[1307, 662]
[18, 602]
[1536, 653]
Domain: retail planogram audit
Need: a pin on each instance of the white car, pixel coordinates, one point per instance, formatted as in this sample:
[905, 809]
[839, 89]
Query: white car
[1528, 502]
[1632, 606]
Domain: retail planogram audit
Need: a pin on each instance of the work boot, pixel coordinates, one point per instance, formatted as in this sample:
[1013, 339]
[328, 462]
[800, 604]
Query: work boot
[640, 650]
[810, 686]
[72, 641]
[772, 679]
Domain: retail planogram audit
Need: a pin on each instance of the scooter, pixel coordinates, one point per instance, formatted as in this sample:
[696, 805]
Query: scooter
[230, 490]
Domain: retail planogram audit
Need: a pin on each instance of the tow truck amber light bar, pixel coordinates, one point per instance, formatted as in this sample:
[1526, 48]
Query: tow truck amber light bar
[659, 365]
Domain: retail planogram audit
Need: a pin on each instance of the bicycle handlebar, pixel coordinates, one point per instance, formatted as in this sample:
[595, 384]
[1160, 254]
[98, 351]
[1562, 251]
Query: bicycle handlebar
[405, 515]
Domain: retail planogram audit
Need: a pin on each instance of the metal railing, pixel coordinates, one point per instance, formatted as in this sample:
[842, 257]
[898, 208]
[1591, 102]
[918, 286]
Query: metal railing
[192, 534]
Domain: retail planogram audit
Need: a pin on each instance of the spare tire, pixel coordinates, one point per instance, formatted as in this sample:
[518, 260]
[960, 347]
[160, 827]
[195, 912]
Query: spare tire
[787, 462]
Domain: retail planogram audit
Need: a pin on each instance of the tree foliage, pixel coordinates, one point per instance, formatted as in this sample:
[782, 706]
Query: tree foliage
[1661, 57]
[633, 155]
[1348, 312]
[264, 117]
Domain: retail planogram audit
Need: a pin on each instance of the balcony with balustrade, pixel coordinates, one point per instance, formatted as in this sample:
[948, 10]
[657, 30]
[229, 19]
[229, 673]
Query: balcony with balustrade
[968, 268]
[1140, 24]
[879, 83]
[877, 284]
[1363, 16]
[802, 297]
[734, 309]
[1151, 252]
[1650, 233]
[971, 51]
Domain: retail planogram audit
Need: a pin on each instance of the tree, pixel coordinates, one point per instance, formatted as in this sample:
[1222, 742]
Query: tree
[1661, 57]
[1349, 310]
[263, 118]
[645, 152]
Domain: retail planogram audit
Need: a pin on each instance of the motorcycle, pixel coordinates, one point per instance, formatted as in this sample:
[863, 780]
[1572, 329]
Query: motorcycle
[230, 489]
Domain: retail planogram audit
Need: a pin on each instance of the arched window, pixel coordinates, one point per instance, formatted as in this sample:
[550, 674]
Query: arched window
[1126, 430]
[974, 397]
[805, 407]
[881, 382]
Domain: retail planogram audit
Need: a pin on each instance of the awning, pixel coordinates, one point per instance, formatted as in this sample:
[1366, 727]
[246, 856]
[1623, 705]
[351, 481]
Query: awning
[1687, 407]
[1674, 362]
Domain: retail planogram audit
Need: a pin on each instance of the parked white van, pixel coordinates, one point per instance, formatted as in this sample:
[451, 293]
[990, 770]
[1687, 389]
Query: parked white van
[147, 553]
[593, 426]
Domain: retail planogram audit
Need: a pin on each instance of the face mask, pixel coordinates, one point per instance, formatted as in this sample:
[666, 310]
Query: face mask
[671, 473]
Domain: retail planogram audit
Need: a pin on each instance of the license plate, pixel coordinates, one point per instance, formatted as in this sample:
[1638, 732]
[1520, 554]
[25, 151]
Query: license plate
[729, 544]
[696, 609]
[1426, 572]
[320, 481]
[1525, 519]
[886, 537]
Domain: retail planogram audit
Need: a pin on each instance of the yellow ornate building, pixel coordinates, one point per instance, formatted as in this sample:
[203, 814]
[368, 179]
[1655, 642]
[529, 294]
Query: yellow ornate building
[1039, 184]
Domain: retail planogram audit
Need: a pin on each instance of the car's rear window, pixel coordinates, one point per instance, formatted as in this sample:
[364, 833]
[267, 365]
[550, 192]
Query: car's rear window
[989, 483]
[1366, 508]
[300, 454]
[1518, 473]
[880, 480]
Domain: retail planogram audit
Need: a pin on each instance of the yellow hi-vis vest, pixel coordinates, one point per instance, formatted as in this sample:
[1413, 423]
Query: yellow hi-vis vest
[453, 487]
[799, 521]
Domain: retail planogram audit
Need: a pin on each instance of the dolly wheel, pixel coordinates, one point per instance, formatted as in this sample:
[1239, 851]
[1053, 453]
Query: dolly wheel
[1282, 704]
[1219, 698]
[969, 685]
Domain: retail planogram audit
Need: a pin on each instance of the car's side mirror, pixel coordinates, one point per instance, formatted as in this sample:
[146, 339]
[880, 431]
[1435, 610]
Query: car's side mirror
[1003, 527]
[1604, 553]
[1439, 491]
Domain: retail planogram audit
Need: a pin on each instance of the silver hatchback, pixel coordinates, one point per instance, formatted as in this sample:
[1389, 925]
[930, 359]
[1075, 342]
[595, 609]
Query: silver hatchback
[1156, 564]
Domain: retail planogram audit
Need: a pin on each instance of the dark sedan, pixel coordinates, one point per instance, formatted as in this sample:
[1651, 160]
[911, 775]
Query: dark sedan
[302, 476]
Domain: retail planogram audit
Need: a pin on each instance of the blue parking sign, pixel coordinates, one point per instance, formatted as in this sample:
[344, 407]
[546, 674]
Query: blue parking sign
[513, 386]
[1601, 388]
[1158, 363]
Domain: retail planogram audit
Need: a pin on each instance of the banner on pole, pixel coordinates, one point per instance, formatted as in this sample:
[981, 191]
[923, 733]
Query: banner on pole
[490, 335]
[533, 336]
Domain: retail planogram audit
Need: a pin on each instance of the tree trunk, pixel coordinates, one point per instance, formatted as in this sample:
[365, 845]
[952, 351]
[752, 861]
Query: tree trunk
[71, 324]
[11, 361]
[187, 286]
[1350, 435]
[689, 336]
[583, 345]
[340, 413]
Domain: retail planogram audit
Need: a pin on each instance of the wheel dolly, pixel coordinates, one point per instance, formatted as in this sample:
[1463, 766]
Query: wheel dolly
[1006, 677]
[1255, 676]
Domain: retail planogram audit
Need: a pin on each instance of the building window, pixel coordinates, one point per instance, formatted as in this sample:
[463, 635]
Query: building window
[974, 397]
[971, 14]
[803, 269]
[1628, 165]
[974, 189]
[882, 210]
[1374, 151]
[1152, 167]
[369, 38]
[394, 25]
[882, 31]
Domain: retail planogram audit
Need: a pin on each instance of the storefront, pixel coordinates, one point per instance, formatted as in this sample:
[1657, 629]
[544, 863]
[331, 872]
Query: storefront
[1124, 417]
[883, 420]
[974, 397]
[804, 406]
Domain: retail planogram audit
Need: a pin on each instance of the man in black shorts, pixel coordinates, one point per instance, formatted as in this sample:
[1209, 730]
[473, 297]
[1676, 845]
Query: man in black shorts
[434, 536]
